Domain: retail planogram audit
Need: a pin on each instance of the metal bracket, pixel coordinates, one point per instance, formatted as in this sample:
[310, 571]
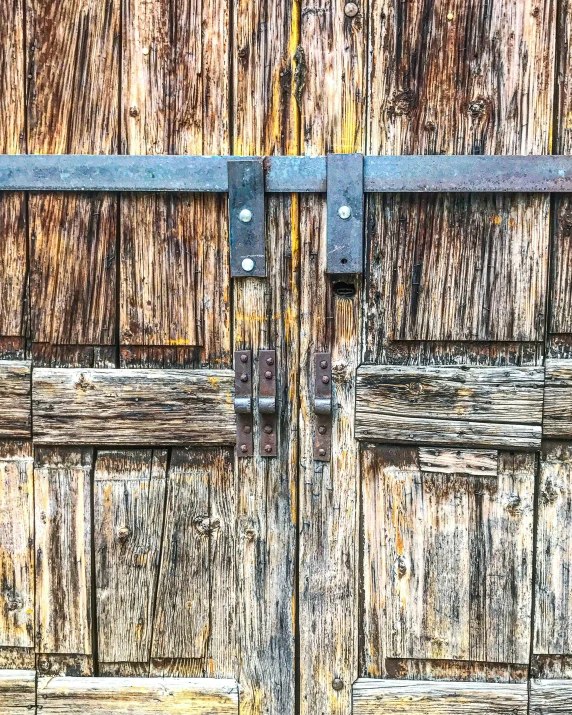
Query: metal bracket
[345, 213]
[323, 406]
[243, 402]
[247, 217]
[267, 402]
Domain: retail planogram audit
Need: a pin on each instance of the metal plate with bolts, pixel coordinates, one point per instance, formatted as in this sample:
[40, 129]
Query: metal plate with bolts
[345, 213]
[246, 215]
[243, 402]
[267, 402]
[323, 406]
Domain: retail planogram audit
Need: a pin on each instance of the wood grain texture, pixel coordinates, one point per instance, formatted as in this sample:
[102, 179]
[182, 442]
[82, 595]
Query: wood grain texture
[458, 78]
[333, 120]
[72, 107]
[62, 493]
[550, 697]
[16, 546]
[553, 609]
[126, 696]
[558, 399]
[128, 505]
[447, 560]
[479, 406]
[17, 691]
[391, 697]
[135, 407]
[478, 462]
[175, 101]
[15, 399]
[266, 313]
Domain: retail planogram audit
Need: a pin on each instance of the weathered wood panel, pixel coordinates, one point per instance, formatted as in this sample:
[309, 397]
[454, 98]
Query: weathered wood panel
[15, 399]
[175, 80]
[550, 697]
[72, 91]
[128, 505]
[331, 72]
[13, 251]
[558, 399]
[479, 406]
[17, 692]
[458, 78]
[266, 313]
[553, 609]
[62, 493]
[391, 697]
[478, 462]
[447, 560]
[135, 407]
[16, 548]
[126, 696]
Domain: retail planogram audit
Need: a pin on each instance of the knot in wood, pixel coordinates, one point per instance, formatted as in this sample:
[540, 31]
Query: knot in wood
[14, 603]
[403, 102]
[477, 108]
[549, 494]
[123, 533]
[513, 504]
[401, 566]
[84, 384]
[206, 526]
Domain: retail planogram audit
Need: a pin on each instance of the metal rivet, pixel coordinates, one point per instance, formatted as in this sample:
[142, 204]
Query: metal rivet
[248, 429]
[325, 379]
[322, 453]
[268, 429]
[322, 429]
[268, 375]
[451, 16]
[244, 358]
[351, 9]
[268, 448]
[323, 364]
[243, 448]
[145, 50]
[337, 684]
[244, 377]
[270, 361]
[344, 212]
[248, 265]
[245, 215]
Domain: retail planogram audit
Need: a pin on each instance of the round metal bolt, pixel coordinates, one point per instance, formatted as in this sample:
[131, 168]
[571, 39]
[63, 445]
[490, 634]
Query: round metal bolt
[244, 358]
[243, 448]
[322, 429]
[268, 375]
[248, 429]
[323, 364]
[268, 429]
[248, 265]
[123, 533]
[245, 215]
[450, 16]
[270, 361]
[325, 379]
[145, 50]
[244, 377]
[268, 448]
[337, 684]
[344, 212]
[351, 9]
[322, 453]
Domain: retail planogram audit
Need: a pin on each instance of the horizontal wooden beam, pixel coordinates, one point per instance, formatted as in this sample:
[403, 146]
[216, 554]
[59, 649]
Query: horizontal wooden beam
[15, 414]
[17, 691]
[550, 697]
[133, 407]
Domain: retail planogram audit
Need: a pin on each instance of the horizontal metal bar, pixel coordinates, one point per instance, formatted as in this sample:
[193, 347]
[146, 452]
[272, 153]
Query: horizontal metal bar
[285, 174]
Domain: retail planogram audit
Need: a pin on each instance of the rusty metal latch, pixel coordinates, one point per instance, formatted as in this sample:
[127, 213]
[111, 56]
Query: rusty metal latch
[267, 402]
[323, 406]
[243, 402]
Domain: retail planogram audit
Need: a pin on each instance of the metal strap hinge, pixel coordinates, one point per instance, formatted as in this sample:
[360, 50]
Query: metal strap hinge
[243, 402]
[323, 406]
[267, 402]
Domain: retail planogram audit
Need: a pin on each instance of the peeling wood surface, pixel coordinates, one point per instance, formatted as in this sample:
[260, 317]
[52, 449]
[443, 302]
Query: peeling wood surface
[447, 560]
[558, 399]
[15, 396]
[126, 696]
[135, 407]
[391, 697]
[17, 691]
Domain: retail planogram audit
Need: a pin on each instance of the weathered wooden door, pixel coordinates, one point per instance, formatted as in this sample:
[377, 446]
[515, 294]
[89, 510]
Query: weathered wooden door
[421, 564]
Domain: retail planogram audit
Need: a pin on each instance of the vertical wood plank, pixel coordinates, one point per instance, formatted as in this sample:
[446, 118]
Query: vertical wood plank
[175, 101]
[13, 252]
[62, 494]
[266, 317]
[333, 60]
[128, 505]
[72, 70]
[16, 553]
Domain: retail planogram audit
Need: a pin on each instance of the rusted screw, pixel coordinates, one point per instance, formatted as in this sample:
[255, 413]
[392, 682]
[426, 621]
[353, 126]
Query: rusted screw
[270, 361]
[123, 533]
[248, 429]
[243, 448]
[337, 684]
[268, 448]
[322, 452]
[268, 429]
[268, 375]
[322, 429]
[323, 364]
[325, 379]
[244, 358]
[351, 9]
[244, 377]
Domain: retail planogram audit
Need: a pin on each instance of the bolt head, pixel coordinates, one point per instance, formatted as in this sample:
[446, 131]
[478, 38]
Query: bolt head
[244, 358]
[344, 212]
[322, 452]
[244, 377]
[270, 361]
[337, 684]
[248, 429]
[325, 379]
[322, 429]
[243, 448]
[268, 375]
[268, 429]
[245, 215]
[351, 9]
[248, 265]
[323, 364]
[123, 533]
[268, 448]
